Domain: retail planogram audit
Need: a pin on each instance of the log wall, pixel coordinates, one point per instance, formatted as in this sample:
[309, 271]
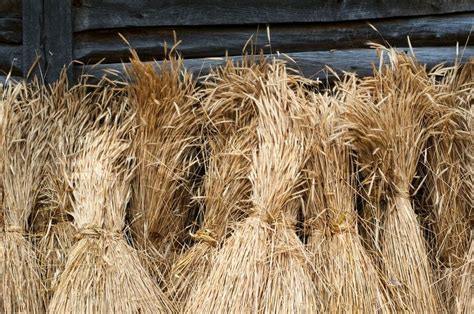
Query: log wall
[313, 33]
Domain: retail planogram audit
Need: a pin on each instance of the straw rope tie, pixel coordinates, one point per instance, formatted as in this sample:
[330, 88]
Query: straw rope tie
[97, 232]
[402, 193]
[401, 189]
[206, 236]
[316, 224]
[344, 222]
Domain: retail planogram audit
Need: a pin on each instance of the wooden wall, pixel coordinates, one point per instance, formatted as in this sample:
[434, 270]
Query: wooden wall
[313, 33]
[11, 37]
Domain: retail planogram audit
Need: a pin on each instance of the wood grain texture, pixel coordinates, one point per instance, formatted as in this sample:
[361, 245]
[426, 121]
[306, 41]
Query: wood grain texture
[93, 46]
[33, 48]
[100, 14]
[10, 30]
[310, 64]
[11, 58]
[57, 37]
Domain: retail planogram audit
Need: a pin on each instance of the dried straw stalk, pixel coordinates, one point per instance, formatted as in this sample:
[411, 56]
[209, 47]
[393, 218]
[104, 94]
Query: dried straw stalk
[229, 129]
[262, 266]
[25, 148]
[388, 123]
[167, 141]
[350, 282]
[103, 273]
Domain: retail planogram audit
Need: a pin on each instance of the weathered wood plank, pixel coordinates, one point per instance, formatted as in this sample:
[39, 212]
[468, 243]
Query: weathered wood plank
[310, 64]
[100, 14]
[33, 50]
[10, 59]
[57, 37]
[93, 46]
[10, 30]
[10, 8]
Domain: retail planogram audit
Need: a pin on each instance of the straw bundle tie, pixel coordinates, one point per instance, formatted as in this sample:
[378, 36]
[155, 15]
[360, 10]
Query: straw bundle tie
[97, 233]
[345, 223]
[206, 236]
[14, 229]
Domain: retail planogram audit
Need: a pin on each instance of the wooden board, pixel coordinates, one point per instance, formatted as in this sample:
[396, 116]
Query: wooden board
[10, 30]
[10, 8]
[10, 59]
[92, 46]
[57, 37]
[100, 14]
[310, 64]
[33, 49]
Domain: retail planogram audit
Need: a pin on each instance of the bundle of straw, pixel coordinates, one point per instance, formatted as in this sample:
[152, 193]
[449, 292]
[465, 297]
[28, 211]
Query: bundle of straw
[25, 149]
[262, 266]
[226, 195]
[167, 141]
[350, 281]
[448, 158]
[388, 119]
[76, 109]
[448, 167]
[229, 129]
[103, 273]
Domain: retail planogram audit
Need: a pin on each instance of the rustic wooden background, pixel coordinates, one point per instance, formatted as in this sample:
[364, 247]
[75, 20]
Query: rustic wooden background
[313, 33]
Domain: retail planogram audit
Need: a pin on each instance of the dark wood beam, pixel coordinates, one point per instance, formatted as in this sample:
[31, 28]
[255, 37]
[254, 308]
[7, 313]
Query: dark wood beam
[58, 37]
[33, 49]
[100, 14]
[311, 64]
[10, 30]
[440, 30]
[11, 59]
